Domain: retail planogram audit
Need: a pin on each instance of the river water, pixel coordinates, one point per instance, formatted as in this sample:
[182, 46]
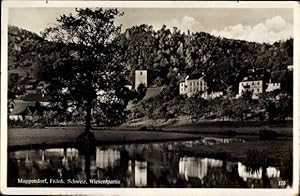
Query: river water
[159, 164]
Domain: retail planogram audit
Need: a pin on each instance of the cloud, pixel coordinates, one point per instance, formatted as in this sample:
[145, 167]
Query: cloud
[270, 31]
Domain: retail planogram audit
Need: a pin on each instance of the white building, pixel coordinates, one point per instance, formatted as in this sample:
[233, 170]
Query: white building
[140, 78]
[254, 86]
[215, 94]
[271, 86]
[192, 85]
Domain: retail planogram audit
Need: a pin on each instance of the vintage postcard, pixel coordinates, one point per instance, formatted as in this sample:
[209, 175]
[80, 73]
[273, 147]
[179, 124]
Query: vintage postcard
[122, 98]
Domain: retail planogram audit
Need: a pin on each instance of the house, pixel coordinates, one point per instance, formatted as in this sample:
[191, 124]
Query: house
[140, 78]
[22, 111]
[254, 82]
[254, 86]
[192, 85]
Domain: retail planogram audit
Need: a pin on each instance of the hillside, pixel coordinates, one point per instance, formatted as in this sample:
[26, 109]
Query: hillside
[168, 56]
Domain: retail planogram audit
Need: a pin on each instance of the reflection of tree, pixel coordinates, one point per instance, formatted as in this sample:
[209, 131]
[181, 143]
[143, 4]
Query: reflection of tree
[235, 176]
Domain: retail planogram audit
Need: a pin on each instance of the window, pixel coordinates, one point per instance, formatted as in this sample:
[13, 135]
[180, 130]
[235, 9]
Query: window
[141, 73]
[258, 83]
[252, 83]
[258, 90]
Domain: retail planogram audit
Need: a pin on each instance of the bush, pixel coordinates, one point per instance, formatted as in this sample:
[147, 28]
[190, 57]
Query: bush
[268, 134]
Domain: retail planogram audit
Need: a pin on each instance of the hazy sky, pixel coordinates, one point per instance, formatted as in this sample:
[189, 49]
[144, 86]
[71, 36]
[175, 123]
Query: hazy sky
[259, 24]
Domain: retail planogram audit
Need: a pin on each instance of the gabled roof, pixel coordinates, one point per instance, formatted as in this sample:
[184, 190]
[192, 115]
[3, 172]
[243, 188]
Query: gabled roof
[153, 92]
[182, 77]
[34, 98]
[20, 107]
[257, 74]
[31, 91]
[195, 76]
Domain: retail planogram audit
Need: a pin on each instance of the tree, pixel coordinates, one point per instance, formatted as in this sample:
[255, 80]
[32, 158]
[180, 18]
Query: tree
[141, 91]
[197, 106]
[242, 106]
[93, 64]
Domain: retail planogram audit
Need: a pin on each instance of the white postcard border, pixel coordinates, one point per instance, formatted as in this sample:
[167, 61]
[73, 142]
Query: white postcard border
[149, 4]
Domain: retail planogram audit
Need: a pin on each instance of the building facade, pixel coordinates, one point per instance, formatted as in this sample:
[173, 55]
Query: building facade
[271, 86]
[140, 78]
[254, 86]
[190, 86]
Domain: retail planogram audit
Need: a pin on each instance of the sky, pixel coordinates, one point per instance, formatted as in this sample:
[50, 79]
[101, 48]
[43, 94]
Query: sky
[250, 24]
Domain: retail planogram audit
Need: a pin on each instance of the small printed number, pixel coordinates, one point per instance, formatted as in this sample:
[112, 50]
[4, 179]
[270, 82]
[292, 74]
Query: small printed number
[281, 182]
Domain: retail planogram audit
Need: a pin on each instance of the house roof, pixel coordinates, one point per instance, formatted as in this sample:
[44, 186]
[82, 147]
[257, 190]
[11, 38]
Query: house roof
[195, 76]
[31, 91]
[257, 74]
[248, 79]
[182, 79]
[34, 98]
[20, 107]
[153, 92]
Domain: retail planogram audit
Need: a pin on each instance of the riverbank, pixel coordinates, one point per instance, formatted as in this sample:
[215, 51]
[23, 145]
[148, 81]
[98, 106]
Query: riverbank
[278, 150]
[273, 153]
[187, 121]
[62, 135]
[58, 135]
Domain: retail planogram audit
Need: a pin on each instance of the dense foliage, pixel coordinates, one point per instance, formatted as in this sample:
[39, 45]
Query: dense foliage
[67, 51]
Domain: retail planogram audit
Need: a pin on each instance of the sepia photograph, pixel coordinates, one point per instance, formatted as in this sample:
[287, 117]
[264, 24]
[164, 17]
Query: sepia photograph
[113, 96]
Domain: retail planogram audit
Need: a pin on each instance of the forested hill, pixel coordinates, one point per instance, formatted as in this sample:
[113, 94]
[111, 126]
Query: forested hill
[170, 54]
[167, 54]
[29, 55]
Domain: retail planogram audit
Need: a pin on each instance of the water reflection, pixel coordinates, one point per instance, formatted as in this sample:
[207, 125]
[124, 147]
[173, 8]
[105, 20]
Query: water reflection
[137, 165]
[197, 167]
